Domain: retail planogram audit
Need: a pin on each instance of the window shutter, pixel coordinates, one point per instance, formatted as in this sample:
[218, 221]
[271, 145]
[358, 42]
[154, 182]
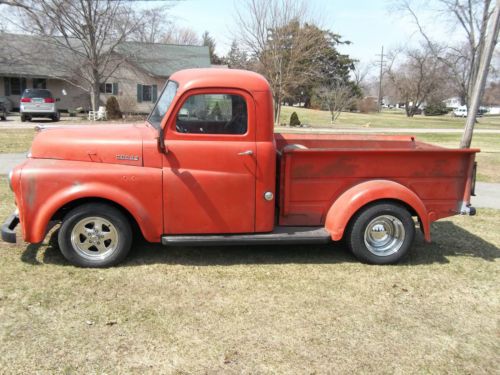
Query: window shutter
[155, 93]
[115, 88]
[6, 83]
[23, 85]
[139, 93]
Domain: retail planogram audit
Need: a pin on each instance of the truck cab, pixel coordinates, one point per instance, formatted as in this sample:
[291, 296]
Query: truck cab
[206, 168]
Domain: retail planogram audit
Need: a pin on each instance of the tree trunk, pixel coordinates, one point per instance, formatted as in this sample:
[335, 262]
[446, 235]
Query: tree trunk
[95, 91]
[277, 109]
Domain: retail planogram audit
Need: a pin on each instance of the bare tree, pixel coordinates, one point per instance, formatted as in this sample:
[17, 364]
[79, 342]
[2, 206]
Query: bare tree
[416, 76]
[180, 35]
[337, 97]
[273, 33]
[82, 38]
[468, 16]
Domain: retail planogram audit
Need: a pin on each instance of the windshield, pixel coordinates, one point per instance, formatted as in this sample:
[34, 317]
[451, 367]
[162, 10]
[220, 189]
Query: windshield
[163, 104]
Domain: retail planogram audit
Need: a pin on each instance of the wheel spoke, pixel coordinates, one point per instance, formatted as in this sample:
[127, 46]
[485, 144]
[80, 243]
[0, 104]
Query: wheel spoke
[101, 248]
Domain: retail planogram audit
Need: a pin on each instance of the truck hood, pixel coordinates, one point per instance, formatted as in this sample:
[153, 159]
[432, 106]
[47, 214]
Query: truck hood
[114, 144]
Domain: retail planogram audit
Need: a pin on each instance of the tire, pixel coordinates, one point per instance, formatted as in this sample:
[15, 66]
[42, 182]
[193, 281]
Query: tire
[23, 118]
[95, 235]
[56, 117]
[381, 233]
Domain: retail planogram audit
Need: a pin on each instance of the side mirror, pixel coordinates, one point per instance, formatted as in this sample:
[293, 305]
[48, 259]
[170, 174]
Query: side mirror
[58, 99]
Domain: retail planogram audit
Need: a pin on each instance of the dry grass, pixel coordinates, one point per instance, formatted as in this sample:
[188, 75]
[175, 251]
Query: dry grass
[386, 119]
[15, 140]
[293, 309]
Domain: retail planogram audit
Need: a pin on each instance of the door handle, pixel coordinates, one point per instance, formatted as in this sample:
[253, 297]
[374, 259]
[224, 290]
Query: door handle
[243, 153]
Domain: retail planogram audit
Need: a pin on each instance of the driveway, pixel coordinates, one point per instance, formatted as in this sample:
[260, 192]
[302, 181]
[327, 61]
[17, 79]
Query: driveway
[488, 194]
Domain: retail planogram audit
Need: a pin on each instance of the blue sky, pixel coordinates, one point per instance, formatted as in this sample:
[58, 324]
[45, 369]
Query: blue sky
[367, 24]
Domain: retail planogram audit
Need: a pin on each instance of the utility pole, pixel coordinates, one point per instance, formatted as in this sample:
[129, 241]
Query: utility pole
[379, 99]
[484, 66]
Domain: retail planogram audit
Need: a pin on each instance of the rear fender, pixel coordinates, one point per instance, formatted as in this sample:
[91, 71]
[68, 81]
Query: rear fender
[346, 206]
[36, 232]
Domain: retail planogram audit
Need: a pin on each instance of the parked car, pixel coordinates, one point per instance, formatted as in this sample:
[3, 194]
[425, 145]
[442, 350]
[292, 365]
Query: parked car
[202, 170]
[460, 111]
[38, 103]
[5, 107]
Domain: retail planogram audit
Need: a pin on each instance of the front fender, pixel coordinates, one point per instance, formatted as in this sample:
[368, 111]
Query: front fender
[48, 185]
[344, 208]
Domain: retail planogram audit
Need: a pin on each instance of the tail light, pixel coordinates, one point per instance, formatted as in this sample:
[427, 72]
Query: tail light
[473, 184]
[25, 100]
[49, 100]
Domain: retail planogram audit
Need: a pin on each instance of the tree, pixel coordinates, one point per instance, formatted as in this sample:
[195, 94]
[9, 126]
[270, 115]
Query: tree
[208, 41]
[471, 18]
[336, 97]
[236, 57]
[84, 33]
[274, 34]
[416, 78]
[180, 35]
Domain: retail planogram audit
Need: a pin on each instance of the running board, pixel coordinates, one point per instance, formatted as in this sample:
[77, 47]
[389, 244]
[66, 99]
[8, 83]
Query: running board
[280, 236]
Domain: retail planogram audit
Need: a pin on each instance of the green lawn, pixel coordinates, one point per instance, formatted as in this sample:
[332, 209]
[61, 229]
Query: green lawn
[267, 309]
[387, 119]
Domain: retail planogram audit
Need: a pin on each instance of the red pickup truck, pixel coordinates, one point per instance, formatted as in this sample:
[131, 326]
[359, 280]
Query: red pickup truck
[206, 168]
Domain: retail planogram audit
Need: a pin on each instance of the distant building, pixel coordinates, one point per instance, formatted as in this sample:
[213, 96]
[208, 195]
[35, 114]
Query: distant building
[454, 102]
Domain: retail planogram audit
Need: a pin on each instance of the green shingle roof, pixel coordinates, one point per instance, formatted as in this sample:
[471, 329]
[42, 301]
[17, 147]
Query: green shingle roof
[29, 55]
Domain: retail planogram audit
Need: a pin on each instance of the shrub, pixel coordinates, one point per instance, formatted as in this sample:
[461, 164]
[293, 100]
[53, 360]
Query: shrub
[294, 119]
[435, 109]
[113, 108]
[367, 105]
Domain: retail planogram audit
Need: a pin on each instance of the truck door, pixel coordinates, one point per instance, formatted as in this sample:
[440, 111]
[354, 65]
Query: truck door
[209, 168]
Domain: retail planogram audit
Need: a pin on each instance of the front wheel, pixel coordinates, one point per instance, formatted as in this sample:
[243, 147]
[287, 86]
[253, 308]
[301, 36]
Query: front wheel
[95, 235]
[381, 233]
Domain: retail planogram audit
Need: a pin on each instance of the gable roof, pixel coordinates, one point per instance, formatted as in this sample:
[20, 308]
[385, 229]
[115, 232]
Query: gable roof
[163, 60]
[23, 55]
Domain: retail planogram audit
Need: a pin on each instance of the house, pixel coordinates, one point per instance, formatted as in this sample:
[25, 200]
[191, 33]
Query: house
[454, 102]
[142, 71]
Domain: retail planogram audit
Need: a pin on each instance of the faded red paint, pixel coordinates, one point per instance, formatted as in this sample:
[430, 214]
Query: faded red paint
[200, 185]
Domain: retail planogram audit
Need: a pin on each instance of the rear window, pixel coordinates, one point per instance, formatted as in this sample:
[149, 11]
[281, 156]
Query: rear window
[37, 94]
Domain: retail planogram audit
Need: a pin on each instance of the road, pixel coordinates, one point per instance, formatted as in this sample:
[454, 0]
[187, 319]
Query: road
[488, 194]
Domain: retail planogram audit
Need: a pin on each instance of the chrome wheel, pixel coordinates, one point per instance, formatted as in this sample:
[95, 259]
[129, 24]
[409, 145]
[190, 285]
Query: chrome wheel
[384, 235]
[94, 238]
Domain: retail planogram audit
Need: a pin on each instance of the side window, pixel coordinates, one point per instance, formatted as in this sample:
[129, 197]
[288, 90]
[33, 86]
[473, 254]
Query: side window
[213, 114]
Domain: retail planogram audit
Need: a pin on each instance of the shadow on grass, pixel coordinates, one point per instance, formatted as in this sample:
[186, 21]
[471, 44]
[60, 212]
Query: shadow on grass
[449, 240]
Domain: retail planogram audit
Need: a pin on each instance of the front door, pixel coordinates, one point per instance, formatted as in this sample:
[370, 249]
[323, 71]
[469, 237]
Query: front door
[210, 165]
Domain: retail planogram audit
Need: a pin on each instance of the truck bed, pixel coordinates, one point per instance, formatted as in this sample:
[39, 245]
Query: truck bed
[316, 169]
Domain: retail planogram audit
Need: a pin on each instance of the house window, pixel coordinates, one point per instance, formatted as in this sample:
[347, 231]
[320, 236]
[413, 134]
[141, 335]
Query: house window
[15, 86]
[147, 93]
[106, 88]
[109, 88]
[39, 83]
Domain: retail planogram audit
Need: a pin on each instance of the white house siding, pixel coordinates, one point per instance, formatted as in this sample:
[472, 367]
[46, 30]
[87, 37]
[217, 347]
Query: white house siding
[128, 77]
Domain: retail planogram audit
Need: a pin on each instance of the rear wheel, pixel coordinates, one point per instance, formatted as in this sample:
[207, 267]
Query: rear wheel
[3, 117]
[23, 118]
[95, 235]
[56, 116]
[381, 233]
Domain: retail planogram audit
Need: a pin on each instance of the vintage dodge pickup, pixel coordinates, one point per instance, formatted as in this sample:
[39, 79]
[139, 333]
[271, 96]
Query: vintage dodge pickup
[206, 168]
